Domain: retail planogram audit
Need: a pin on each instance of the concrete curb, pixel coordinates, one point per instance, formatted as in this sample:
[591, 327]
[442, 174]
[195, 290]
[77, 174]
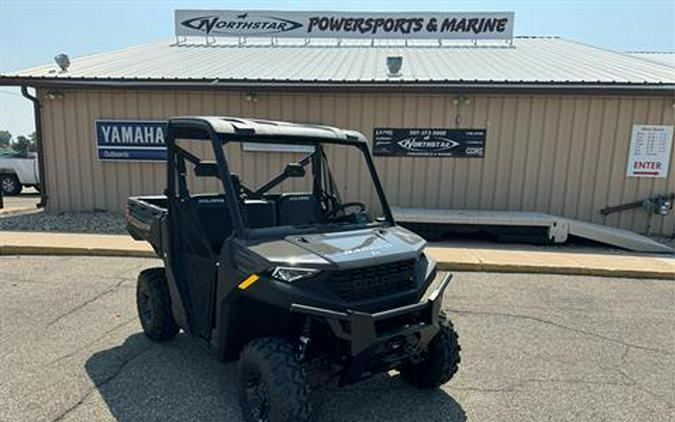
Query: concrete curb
[447, 265]
[560, 270]
[69, 251]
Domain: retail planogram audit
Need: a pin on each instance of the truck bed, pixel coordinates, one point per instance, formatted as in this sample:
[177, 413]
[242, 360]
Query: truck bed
[25, 169]
[144, 217]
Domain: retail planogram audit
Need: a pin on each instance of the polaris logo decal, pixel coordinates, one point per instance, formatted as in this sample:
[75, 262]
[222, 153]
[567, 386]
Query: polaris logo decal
[211, 201]
[372, 250]
[240, 24]
[429, 142]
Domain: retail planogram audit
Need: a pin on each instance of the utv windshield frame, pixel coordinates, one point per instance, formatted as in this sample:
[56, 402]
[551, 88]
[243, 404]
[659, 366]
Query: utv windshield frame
[193, 128]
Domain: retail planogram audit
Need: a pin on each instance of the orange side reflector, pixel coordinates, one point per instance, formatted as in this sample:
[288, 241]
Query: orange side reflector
[248, 282]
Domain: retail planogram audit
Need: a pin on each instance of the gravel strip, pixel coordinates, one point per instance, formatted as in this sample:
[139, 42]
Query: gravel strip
[67, 222]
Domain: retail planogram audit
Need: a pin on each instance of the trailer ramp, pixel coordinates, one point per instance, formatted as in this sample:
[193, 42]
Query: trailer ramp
[557, 229]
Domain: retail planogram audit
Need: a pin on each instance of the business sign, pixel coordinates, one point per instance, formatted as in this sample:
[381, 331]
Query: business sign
[402, 25]
[140, 140]
[649, 154]
[429, 142]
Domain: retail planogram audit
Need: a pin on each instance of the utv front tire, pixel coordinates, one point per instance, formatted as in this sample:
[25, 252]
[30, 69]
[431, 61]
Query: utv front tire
[439, 362]
[272, 383]
[154, 305]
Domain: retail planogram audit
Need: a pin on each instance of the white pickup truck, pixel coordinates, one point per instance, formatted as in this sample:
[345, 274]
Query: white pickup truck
[18, 170]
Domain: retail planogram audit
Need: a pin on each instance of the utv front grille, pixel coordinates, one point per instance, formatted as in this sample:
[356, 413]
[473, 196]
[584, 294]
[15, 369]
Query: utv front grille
[370, 282]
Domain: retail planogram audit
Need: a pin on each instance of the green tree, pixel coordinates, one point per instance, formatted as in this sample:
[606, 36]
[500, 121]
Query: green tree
[23, 145]
[5, 138]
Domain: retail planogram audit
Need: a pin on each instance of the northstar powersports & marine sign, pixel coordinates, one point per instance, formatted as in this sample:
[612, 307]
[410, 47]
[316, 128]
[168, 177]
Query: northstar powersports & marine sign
[430, 25]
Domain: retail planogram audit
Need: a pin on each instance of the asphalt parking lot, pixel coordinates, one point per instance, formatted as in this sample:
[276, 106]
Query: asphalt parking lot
[535, 347]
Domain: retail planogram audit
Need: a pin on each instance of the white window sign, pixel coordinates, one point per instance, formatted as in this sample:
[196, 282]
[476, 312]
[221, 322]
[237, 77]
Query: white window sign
[649, 154]
[254, 146]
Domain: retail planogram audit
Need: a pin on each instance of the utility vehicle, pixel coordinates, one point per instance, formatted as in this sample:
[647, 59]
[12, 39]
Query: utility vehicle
[304, 277]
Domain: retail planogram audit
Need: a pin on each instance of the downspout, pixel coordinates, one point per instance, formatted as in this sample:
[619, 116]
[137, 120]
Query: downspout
[37, 111]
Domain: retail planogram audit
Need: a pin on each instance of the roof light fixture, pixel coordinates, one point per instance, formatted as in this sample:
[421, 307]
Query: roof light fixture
[394, 64]
[62, 61]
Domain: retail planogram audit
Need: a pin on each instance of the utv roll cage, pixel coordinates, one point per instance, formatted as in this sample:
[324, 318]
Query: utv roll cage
[223, 130]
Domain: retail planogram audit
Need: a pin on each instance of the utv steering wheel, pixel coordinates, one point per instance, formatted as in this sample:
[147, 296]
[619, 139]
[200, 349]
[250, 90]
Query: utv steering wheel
[361, 206]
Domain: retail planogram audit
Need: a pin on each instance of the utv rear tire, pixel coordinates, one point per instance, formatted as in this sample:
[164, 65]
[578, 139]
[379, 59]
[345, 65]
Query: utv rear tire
[439, 363]
[272, 383]
[154, 305]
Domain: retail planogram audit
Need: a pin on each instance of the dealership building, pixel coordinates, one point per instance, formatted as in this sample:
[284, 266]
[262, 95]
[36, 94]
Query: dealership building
[563, 128]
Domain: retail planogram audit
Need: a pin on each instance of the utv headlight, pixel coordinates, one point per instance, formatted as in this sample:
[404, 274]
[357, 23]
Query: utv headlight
[291, 274]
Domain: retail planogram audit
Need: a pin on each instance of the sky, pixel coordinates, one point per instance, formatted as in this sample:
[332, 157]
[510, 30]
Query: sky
[33, 32]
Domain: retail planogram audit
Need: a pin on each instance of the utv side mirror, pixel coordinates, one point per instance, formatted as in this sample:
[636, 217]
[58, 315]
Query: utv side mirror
[294, 170]
[206, 169]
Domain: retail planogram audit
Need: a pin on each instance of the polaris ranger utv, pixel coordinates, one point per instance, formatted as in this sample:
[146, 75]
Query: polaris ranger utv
[300, 286]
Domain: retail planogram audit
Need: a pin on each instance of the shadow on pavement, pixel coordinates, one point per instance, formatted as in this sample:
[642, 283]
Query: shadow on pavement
[29, 193]
[182, 380]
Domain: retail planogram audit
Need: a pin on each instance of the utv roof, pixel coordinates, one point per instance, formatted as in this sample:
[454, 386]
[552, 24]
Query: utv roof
[259, 130]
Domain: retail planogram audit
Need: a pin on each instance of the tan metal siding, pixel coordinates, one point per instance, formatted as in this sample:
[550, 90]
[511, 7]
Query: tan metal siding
[557, 154]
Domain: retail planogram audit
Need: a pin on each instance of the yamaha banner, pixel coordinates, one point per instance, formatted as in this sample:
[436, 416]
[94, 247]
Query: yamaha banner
[401, 25]
[429, 142]
[135, 140]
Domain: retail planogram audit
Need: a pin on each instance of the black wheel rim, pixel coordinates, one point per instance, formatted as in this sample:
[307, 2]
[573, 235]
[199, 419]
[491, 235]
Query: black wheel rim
[257, 397]
[144, 305]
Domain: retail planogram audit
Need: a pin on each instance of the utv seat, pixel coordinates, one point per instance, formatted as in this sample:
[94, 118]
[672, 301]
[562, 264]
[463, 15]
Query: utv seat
[259, 213]
[215, 217]
[296, 209]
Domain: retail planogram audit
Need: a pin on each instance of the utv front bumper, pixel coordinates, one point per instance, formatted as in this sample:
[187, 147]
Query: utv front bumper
[409, 327]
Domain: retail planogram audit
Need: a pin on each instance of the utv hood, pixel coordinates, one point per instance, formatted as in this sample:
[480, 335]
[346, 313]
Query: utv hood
[347, 249]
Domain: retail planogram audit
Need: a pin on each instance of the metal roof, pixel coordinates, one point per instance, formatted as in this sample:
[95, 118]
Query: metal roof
[528, 60]
[667, 58]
